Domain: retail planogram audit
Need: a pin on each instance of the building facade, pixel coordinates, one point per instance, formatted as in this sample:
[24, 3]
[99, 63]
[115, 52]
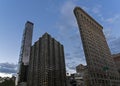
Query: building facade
[101, 67]
[24, 53]
[116, 58]
[83, 71]
[68, 80]
[79, 79]
[47, 63]
[80, 68]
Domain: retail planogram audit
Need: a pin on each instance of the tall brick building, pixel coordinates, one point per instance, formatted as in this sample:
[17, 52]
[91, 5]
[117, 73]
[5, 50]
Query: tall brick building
[101, 67]
[47, 64]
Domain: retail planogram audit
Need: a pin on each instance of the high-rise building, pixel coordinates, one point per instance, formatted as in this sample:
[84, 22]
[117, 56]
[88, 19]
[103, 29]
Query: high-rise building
[24, 53]
[101, 67]
[47, 63]
[116, 58]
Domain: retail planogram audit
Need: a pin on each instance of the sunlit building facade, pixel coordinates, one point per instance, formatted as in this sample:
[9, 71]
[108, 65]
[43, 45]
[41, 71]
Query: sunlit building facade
[24, 54]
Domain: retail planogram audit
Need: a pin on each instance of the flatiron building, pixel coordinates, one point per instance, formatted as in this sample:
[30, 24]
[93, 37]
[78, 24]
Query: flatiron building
[101, 67]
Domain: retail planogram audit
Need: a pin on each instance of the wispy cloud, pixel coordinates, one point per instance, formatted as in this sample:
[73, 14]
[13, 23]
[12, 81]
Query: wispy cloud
[115, 45]
[112, 40]
[5, 75]
[113, 19]
[8, 68]
[70, 36]
[67, 14]
[108, 34]
[98, 12]
[97, 9]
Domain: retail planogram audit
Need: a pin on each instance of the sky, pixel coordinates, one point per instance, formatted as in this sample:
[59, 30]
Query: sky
[57, 18]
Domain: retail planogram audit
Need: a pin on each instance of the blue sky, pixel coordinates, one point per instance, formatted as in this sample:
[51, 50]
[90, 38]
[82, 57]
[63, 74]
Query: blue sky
[55, 17]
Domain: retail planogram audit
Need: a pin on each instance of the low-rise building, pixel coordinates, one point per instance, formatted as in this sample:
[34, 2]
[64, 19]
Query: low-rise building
[116, 58]
[79, 79]
[82, 72]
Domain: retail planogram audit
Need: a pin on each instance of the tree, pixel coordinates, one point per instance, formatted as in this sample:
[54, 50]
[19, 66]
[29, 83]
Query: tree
[8, 82]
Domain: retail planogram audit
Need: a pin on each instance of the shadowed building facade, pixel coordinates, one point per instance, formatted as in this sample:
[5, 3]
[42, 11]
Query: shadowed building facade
[116, 58]
[24, 54]
[47, 63]
[101, 67]
[83, 71]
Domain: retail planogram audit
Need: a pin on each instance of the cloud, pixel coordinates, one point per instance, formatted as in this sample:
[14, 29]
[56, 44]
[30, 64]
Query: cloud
[67, 16]
[85, 8]
[8, 68]
[113, 19]
[70, 36]
[8, 65]
[112, 40]
[97, 9]
[67, 54]
[5, 75]
[75, 36]
[108, 34]
[72, 63]
[115, 45]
